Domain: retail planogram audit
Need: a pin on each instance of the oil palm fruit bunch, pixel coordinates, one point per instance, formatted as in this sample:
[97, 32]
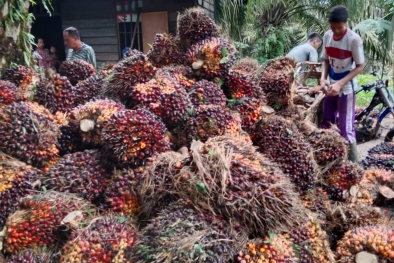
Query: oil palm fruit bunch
[206, 92]
[382, 177]
[366, 192]
[182, 74]
[329, 146]
[316, 200]
[247, 65]
[195, 25]
[211, 58]
[143, 94]
[40, 221]
[17, 180]
[200, 237]
[208, 121]
[88, 119]
[28, 133]
[56, 94]
[283, 143]
[24, 78]
[88, 89]
[341, 178]
[381, 156]
[106, 69]
[229, 177]
[128, 72]
[377, 240]
[120, 194]
[132, 136]
[276, 81]
[32, 256]
[80, 173]
[70, 141]
[292, 112]
[7, 93]
[76, 70]
[106, 239]
[251, 111]
[164, 51]
[240, 85]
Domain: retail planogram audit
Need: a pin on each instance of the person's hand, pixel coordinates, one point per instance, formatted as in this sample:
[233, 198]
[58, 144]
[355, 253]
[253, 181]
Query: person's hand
[334, 90]
[324, 85]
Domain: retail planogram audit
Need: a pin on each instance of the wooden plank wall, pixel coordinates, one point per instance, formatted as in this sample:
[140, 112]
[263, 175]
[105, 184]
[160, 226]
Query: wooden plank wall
[96, 22]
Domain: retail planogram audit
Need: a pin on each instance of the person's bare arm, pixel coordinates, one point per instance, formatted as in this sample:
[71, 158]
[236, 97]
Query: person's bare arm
[324, 74]
[336, 87]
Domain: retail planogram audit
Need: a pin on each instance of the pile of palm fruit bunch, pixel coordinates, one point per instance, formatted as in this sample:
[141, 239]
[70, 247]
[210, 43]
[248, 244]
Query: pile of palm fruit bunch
[183, 154]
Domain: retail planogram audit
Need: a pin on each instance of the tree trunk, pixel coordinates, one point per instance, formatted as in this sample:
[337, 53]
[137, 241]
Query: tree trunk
[14, 25]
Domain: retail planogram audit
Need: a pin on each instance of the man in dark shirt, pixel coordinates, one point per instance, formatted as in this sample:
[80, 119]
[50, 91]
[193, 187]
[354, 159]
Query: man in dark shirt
[78, 49]
[308, 50]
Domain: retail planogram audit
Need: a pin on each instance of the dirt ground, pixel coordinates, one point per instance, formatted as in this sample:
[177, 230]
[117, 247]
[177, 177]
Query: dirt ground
[388, 123]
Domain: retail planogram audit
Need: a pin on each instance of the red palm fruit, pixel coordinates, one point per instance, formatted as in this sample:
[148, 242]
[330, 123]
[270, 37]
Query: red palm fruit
[28, 133]
[76, 70]
[182, 74]
[211, 58]
[88, 89]
[143, 94]
[164, 51]
[206, 92]
[81, 173]
[106, 69]
[240, 85]
[70, 141]
[251, 111]
[88, 119]
[24, 78]
[131, 136]
[7, 93]
[39, 221]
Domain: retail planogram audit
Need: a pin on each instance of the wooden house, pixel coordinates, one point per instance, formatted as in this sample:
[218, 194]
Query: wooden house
[110, 26]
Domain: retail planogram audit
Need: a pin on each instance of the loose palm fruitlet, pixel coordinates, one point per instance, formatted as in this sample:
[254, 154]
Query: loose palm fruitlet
[131, 136]
[32, 256]
[275, 248]
[28, 133]
[211, 58]
[283, 143]
[195, 25]
[164, 51]
[251, 111]
[24, 78]
[120, 194]
[208, 121]
[229, 177]
[107, 239]
[76, 70]
[341, 178]
[56, 94]
[206, 92]
[70, 141]
[80, 173]
[17, 180]
[181, 233]
[240, 85]
[381, 156]
[329, 147]
[128, 72]
[40, 221]
[377, 240]
[248, 66]
[276, 81]
[88, 89]
[7, 93]
[88, 119]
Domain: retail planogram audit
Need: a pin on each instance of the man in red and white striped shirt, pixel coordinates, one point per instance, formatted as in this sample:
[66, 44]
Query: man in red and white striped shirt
[343, 56]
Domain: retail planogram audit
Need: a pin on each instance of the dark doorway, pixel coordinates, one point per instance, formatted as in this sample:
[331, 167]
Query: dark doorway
[50, 29]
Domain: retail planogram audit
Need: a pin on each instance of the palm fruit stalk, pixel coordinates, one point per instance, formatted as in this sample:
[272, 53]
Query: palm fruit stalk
[70, 141]
[32, 256]
[200, 237]
[211, 58]
[164, 51]
[283, 143]
[381, 156]
[56, 94]
[76, 70]
[240, 85]
[24, 78]
[182, 74]
[247, 65]
[208, 121]
[88, 89]
[341, 178]
[195, 25]
[276, 80]
[40, 221]
[106, 239]
[377, 240]
[132, 136]
[129, 72]
[81, 173]
[206, 92]
[227, 176]
[366, 192]
[120, 193]
[7, 93]
[88, 119]
[17, 180]
[28, 133]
